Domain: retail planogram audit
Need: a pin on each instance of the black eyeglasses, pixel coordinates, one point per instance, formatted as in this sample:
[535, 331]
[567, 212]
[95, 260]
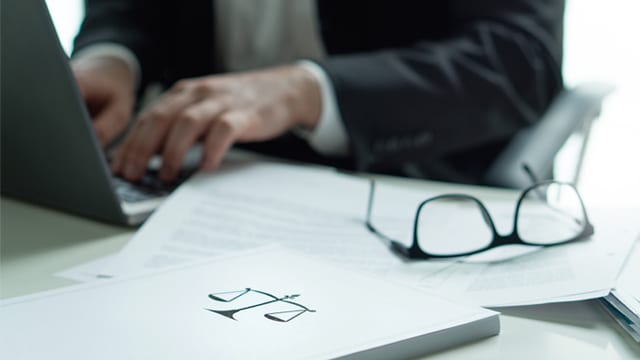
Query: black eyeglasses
[548, 213]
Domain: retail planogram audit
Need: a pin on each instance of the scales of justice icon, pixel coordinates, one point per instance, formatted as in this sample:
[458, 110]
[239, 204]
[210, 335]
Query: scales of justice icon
[279, 316]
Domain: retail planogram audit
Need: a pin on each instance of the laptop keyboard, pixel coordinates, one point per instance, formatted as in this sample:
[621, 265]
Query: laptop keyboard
[149, 187]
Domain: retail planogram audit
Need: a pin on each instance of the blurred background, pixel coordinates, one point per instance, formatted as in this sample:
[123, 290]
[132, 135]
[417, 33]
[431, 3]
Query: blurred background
[601, 45]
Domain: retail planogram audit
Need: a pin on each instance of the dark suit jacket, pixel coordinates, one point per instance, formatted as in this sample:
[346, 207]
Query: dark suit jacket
[425, 88]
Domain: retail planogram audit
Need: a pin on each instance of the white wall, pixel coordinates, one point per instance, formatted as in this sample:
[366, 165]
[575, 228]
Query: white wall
[602, 43]
[66, 15]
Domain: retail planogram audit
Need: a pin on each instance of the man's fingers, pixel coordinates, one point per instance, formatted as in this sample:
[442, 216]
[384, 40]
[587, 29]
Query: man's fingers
[110, 122]
[110, 115]
[190, 124]
[221, 135]
[149, 134]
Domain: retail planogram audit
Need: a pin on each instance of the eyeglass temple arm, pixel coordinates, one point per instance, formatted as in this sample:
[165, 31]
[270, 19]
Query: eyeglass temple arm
[372, 187]
[534, 179]
[367, 222]
[532, 176]
[392, 244]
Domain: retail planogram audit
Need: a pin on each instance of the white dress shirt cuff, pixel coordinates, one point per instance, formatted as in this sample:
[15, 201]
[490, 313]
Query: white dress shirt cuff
[111, 50]
[329, 137]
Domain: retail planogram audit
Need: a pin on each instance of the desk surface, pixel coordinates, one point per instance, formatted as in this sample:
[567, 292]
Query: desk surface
[36, 242]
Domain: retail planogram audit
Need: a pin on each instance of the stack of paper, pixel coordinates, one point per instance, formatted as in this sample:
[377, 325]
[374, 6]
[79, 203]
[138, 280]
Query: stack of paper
[264, 304]
[623, 303]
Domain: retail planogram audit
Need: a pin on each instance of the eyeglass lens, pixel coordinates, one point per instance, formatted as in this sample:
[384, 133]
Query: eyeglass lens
[452, 225]
[549, 214]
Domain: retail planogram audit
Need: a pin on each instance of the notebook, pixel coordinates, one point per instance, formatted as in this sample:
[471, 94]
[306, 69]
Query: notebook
[267, 303]
[50, 155]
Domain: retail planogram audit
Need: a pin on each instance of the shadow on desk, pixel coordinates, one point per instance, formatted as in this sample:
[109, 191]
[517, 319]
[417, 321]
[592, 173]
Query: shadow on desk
[569, 313]
[570, 316]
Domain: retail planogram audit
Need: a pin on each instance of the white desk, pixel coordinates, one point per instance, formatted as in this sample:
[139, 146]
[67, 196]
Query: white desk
[36, 242]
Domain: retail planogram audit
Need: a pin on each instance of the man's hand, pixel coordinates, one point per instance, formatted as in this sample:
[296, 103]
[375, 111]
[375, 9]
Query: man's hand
[220, 110]
[107, 85]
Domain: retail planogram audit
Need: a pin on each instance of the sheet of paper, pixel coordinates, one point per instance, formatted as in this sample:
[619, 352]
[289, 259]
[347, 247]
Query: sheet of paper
[89, 271]
[265, 303]
[321, 213]
[315, 211]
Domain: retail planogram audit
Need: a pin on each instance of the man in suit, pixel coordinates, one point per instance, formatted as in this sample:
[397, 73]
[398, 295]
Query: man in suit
[430, 89]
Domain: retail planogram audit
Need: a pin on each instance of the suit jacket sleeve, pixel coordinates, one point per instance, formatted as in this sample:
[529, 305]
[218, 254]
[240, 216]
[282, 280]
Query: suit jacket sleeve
[443, 108]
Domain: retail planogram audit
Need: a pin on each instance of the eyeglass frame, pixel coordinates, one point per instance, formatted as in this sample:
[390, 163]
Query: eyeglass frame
[414, 252]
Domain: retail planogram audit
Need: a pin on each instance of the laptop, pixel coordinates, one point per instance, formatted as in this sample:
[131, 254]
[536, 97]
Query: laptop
[49, 152]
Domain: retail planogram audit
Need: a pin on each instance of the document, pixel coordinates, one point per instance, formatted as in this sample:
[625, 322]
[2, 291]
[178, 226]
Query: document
[87, 271]
[267, 303]
[321, 212]
[312, 210]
